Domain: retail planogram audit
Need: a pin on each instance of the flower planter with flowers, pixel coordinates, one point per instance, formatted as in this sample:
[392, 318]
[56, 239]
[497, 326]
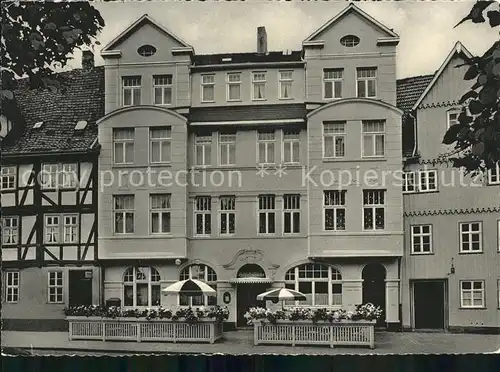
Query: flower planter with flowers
[160, 325]
[306, 326]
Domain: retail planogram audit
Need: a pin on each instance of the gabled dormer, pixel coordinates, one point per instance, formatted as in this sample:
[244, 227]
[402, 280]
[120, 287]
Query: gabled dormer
[147, 64]
[354, 55]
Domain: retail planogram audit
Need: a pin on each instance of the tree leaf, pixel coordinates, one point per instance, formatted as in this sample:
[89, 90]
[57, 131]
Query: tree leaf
[487, 95]
[471, 73]
[464, 119]
[482, 79]
[494, 16]
[451, 134]
[476, 13]
[468, 95]
[475, 107]
[478, 148]
[7, 94]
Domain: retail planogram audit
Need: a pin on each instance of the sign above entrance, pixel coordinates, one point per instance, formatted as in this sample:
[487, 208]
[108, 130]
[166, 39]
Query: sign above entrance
[251, 271]
[251, 275]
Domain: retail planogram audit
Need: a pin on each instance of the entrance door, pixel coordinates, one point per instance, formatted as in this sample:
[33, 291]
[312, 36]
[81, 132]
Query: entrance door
[246, 297]
[374, 288]
[80, 287]
[428, 306]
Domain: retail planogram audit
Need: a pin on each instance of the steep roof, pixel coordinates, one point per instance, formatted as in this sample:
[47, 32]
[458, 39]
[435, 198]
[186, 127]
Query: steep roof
[82, 99]
[408, 90]
[223, 58]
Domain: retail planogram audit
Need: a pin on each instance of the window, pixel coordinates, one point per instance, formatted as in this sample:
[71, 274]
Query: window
[55, 287]
[12, 287]
[471, 237]
[160, 213]
[332, 83]
[205, 274]
[52, 228]
[472, 293]
[334, 140]
[452, 118]
[227, 215]
[234, 87]
[265, 147]
[334, 210]
[70, 228]
[291, 214]
[59, 175]
[291, 147]
[203, 215]
[494, 175]
[321, 284]
[160, 144]
[427, 180]
[421, 239]
[409, 182]
[141, 287]
[146, 50]
[123, 211]
[50, 174]
[207, 88]
[373, 138]
[10, 230]
[123, 145]
[131, 90]
[285, 84]
[162, 89]
[8, 178]
[267, 214]
[69, 176]
[227, 148]
[367, 82]
[259, 86]
[349, 41]
[203, 149]
[373, 209]
[61, 228]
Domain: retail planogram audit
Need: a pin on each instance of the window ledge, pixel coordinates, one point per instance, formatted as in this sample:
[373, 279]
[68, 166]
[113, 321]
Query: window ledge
[466, 253]
[128, 165]
[422, 254]
[473, 308]
[352, 160]
[420, 192]
[286, 99]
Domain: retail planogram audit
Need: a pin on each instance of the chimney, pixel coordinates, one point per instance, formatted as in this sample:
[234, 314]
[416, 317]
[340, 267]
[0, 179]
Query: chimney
[87, 60]
[261, 40]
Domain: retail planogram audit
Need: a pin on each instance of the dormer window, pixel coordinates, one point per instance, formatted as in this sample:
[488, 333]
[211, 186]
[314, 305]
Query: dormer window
[38, 125]
[349, 41]
[81, 125]
[146, 50]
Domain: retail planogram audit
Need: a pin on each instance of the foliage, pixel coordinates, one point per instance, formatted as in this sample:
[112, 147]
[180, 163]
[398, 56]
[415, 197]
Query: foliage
[38, 37]
[476, 137]
[188, 315]
[361, 312]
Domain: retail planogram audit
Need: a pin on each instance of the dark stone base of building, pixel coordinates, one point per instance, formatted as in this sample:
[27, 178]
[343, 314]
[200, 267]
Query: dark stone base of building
[35, 325]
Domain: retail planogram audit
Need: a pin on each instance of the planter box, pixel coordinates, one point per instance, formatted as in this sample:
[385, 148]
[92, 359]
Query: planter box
[305, 332]
[139, 329]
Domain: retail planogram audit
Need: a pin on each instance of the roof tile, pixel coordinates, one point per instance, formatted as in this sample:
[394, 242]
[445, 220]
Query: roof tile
[408, 90]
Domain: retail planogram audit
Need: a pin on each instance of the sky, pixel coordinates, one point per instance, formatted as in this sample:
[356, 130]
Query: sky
[425, 28]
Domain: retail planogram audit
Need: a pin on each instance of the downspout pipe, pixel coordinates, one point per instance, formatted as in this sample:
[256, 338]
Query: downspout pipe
[415, 147]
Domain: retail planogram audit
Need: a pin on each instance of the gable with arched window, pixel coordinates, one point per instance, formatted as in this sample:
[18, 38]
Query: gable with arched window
[141, 287]
[320, 283]
[205, 274]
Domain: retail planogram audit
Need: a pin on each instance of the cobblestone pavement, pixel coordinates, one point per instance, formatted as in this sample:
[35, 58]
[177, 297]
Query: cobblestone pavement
[240, 342]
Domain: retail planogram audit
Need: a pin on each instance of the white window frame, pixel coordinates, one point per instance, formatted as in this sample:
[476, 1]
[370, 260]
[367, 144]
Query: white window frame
[226, 142]
[291, 139]
[227, 209]
[284, 79]
[494, 177]
[50, 176]
[424, 180]
[268, 204]
[366, 79]
[12, 232]
[291, 208]
[207, 81]
[449, 120]
[334, 276]
[374, 207]
[123, 142]
[70, 228]
[12, 278]
[69, 175]
[203, 208]
[203, 143]
[67, 226]
[162, 82]
[336, 79]
[153, 279]
[209, 278]
[472, 291]
[56, 289]
[259, 81]
[123, 212]
[9, 174]
[52, 229]
[374, 135]
[417, 232]
[160, 141]
[471, 233]
[409, 185]
[335, 131]
[132, 89]
[338, 203]
[264, 139]
[230, 83]
[162, 212]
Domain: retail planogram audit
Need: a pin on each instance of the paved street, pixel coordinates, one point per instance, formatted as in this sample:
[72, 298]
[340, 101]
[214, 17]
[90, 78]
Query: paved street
[240, 342]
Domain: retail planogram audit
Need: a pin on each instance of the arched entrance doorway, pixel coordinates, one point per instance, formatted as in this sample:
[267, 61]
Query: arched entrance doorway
[374, 287]
[250, 281]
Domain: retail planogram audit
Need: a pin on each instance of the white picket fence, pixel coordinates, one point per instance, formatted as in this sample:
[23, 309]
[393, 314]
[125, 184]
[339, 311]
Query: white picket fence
[343, 333]
[132, 329]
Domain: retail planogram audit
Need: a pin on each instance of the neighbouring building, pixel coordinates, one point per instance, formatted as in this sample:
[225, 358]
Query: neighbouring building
[451, 263]
[49, 199]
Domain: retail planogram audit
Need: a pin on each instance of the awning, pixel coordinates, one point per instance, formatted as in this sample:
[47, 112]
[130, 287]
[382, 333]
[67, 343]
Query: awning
[250, 280]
